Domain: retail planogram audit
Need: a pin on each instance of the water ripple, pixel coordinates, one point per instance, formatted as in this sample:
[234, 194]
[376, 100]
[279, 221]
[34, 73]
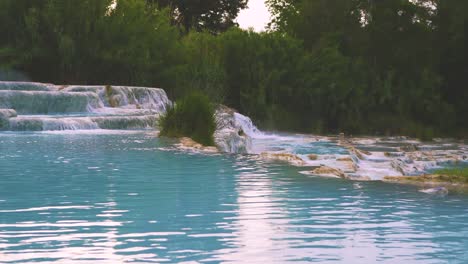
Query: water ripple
[162, 205]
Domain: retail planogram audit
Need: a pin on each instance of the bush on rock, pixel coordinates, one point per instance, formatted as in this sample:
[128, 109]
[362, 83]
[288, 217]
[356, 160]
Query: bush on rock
[192, 116]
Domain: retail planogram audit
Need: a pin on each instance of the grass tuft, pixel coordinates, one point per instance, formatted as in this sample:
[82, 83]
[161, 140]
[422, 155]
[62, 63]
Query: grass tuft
[457, 172]
[192, 116]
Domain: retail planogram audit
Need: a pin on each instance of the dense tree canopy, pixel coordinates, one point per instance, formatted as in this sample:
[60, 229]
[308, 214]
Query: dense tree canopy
[213, 15]
[358, 66]
[402, 50]
[86, 41]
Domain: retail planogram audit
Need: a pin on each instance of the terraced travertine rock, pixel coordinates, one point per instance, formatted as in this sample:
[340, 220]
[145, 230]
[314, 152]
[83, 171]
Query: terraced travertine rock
[43, 107]
[5, 115]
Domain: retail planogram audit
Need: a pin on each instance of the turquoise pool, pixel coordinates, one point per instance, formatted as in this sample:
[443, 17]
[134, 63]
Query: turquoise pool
[130, 197]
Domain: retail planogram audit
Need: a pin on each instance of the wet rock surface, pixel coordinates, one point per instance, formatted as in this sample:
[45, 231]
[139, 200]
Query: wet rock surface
[324, 170]
[436, 191]
[189, 144]
[286, 157]
[5, 115]
[230, 136]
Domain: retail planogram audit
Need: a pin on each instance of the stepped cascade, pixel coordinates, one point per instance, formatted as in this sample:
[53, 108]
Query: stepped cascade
[28, 106]
[41, 107]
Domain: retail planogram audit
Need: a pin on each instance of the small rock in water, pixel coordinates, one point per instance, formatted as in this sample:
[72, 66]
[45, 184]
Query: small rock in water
[328, 171]
[312, 156]
[392, 154]
[188, 143]
[437, 190]
[341, 136]
[288, 157]
[358, 178]
[409, 148]
[347, 159]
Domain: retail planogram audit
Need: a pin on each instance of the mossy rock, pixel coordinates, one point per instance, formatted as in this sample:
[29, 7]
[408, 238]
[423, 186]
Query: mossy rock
[112, 99]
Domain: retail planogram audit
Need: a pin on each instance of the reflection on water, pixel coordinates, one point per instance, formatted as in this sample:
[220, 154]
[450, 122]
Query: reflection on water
[80, 198]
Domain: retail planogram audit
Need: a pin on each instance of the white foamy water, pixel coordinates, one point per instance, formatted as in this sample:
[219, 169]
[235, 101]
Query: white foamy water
[47, 107]
[247, 125]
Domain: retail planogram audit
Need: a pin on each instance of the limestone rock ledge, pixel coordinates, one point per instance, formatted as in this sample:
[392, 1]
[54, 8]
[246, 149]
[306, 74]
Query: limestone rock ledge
[5, 115]
[186, 143]
[286, 157]
[328, 171]
[457, 183]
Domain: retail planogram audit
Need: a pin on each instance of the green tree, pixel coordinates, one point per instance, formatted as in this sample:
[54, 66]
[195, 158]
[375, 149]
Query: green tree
[261, 73]
[91, 41]
[451, 42]
[212, 15]
[138, 46]
[391, 41]
[202, 68]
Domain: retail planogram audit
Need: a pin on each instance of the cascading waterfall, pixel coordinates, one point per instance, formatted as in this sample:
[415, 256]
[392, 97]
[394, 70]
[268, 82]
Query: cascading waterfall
[230, 135]
[43, 107]
[25, 86]
[47, 123]
[122, 97]
[50, 102]
[359, 159]
[247, 125]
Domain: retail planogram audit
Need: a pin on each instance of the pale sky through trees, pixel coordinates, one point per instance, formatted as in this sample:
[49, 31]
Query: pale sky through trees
[256, 16]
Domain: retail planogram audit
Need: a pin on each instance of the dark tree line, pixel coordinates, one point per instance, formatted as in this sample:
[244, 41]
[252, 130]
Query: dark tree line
[402, 63]
[358, 66]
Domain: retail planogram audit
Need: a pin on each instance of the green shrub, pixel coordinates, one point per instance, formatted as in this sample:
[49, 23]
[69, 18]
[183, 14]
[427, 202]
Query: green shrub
[192, 116]
[459, 172]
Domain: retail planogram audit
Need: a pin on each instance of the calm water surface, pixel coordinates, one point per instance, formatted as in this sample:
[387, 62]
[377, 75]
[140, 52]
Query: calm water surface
[114, 198]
